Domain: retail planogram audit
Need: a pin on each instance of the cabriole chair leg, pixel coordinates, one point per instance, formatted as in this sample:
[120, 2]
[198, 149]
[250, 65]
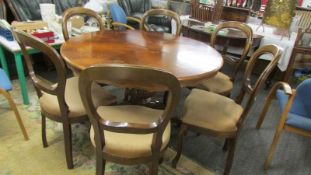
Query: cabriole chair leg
[181, 135]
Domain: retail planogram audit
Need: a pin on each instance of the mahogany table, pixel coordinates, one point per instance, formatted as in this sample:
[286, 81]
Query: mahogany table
[189, 60]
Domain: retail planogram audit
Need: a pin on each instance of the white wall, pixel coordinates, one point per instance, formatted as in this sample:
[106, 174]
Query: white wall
[306, 3]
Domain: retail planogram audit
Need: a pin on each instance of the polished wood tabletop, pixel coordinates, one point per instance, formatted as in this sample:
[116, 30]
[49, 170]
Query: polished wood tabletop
[189, 60]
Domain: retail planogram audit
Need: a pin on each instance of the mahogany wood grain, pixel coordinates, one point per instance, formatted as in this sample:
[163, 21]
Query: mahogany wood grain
[189, 60]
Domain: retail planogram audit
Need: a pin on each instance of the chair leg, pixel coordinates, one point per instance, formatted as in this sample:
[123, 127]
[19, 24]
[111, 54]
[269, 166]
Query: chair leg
[100, 163]
[154, 167]
[181, 135]
[68, 145]
[272, 148]
[43, 131]
[225, 147]
[18, 117]
[231, 143]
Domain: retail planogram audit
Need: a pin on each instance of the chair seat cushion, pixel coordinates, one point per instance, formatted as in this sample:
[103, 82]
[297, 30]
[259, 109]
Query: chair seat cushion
[49, 103]
[5, 83]
[130, 145]
[219, 84]
[299, 121]
[211, 111]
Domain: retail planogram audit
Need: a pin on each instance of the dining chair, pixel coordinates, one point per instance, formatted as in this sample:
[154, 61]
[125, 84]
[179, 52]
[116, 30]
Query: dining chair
[129, 134]
[145, 25]
[204, 12]
[216, 115]
[5, 87]
[295, 105]
[222, 83]
[79, 11]
[59, 101]
[119, 18]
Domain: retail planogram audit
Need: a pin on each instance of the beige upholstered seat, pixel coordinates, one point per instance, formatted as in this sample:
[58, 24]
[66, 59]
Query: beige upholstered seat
[49, 103]
[130, 145]
[223, 117]
[220, 84]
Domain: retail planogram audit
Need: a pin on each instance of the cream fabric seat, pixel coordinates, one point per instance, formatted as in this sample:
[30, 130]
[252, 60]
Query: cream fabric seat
[49, 103]
[220, 84]
[130, 145]
[223, 115]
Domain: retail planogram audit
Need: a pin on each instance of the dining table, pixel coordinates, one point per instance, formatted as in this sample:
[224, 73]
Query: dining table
[189, 60]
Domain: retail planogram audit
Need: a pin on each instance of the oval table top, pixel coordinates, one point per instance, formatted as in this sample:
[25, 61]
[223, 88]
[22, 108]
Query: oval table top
[189, 60]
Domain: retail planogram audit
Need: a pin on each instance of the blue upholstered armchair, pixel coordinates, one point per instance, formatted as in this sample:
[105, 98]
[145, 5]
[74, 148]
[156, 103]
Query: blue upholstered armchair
[296, 111]
[5, 87]
[119, 17]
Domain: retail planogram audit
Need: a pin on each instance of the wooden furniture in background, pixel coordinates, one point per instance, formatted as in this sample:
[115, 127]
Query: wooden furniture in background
[185, 58]
[5, 87]
[2, 10]
[203, 12]
[216, 115]
[129, 134]
[302, 46]
[160, 12]
[78, 11]
[222, 83]
[235, 14]
[305, 17]
[60, 101]
[296, 111]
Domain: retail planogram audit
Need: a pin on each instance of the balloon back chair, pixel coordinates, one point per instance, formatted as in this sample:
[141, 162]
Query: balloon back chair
[222, 83]
[144, 25]
[129, 134]
[216, 115]
[295, 105]
[5, 87]
[79, 11]
[59, 101]
[119, 18]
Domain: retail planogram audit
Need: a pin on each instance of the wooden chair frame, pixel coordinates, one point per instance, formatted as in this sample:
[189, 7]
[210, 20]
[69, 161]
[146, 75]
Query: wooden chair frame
[79, 11]
[236, 63]
[57, 89]
[204, 13]
[129, 76]
[14, 108]
[247, 87]
[163, 12]
[282, 125]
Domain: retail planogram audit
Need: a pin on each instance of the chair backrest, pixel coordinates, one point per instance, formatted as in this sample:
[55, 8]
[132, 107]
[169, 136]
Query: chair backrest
[245, 30]
[252, 87]
[302, 101]
[161, 12]
[2, 10]
[117, 13]
[134, 6]
[305, 18]
[77, 11]
[43, 85]
[204, 12]
[129, 76]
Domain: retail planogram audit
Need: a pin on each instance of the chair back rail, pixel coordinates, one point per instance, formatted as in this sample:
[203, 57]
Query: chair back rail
[2, 10]
[205, 12]
[246, 30]
[79, 11]
[41, 84]
[163, 12]
[248, 86]
[305, 18]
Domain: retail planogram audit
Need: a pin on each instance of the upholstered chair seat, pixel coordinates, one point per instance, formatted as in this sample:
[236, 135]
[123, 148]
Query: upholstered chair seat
[49, 103]
[223, 118]
[130, 145]
[298, 116]
[220, 84]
